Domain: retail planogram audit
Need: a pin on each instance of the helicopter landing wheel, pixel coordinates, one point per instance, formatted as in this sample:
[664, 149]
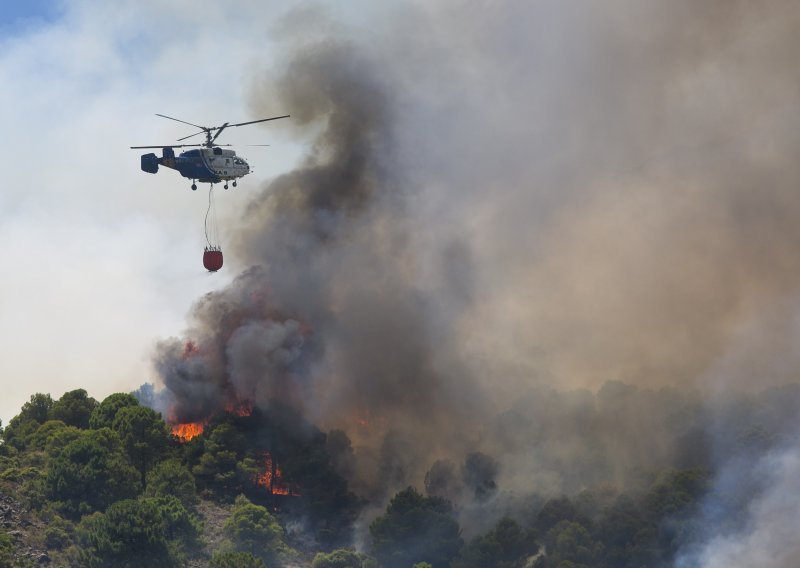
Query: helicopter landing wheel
[234, 183]
[194, 187]
[226, 185]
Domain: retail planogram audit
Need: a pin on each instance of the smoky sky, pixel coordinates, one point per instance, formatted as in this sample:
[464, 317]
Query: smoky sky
[502, 204]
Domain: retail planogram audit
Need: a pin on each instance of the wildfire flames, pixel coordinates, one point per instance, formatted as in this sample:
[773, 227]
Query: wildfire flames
[272, 479]
[185, 432]
[240, 408]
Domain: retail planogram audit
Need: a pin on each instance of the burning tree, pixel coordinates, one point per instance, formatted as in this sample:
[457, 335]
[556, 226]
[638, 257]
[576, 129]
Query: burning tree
[276, 458]
[187, 431]
[271, 478]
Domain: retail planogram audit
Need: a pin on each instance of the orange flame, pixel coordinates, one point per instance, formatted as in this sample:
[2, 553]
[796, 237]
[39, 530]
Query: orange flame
[265, 479]
[240, 408]
[185, 432]
[272, 479]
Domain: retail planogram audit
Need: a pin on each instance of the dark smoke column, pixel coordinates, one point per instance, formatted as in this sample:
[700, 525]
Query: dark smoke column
[330, 317]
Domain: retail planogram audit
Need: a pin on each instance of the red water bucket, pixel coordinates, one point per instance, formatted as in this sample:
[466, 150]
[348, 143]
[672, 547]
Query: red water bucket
[212, 259]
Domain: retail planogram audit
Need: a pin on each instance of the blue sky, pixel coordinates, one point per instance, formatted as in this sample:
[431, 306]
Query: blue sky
[29, 12]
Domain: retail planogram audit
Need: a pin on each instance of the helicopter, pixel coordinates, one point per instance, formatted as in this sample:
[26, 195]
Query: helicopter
[207, 163]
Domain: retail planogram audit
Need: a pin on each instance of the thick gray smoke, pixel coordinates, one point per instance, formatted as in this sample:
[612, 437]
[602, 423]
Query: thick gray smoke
[505, 203]
[333, 319]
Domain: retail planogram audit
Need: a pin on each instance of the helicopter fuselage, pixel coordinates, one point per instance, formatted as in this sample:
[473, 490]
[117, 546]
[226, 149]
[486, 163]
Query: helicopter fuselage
[206, 165]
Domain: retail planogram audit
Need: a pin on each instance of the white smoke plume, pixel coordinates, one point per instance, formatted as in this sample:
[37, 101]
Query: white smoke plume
[767, 535]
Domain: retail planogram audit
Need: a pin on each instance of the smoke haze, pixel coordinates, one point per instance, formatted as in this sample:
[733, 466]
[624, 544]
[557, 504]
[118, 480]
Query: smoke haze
[528, 240]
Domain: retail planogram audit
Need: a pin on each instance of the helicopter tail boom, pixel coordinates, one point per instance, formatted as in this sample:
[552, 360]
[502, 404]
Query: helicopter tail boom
[150, 162]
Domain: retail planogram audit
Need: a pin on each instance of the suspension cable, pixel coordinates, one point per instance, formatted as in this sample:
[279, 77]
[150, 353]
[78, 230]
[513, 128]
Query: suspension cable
[213, 239]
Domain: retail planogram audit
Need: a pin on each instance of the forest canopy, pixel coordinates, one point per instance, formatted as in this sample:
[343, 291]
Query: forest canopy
[109, 484]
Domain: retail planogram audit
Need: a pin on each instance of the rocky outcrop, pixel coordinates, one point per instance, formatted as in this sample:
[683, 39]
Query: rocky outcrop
[16, 522]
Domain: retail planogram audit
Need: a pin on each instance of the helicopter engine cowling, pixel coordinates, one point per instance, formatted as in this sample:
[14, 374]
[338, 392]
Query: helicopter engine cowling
[150, 163]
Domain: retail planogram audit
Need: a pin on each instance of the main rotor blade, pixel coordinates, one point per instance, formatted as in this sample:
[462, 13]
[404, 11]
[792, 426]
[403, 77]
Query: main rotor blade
[190, 135]
[166, 146]
[179, 120]
[221, 128]
[261, 120]
[174, 146]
